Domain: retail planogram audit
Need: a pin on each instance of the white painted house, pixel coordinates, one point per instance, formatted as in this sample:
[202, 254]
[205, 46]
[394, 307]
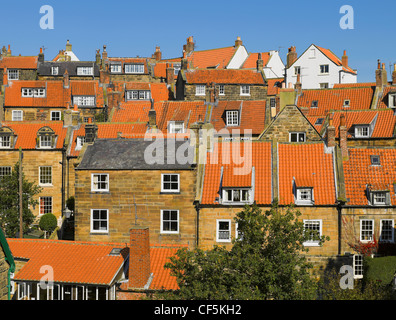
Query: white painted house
[318, 68]
[273, 65]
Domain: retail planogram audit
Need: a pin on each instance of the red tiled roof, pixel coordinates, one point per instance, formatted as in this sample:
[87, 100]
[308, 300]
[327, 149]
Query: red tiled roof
[274, 86]
[335, 59]
[27, 132]
[333, 99]
[383, 99]
[224, 76]
[256, 154]
[359, 173]
[353, 85]
[308, 164]
[129, 60]
[219, 57]
[251, 60]
[384, 124]
[252, 115]
[18, 62]
[71, 261]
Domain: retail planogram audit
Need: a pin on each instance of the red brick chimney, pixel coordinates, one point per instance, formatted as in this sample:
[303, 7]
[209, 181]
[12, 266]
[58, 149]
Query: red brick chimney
[157, 54]
[291, 56]
[139, 257]
[331, 132]
[5, 76]
[343, 137]
[104, 53]
[238, 42]
[170, 73]
[345, 60]
[190, 45]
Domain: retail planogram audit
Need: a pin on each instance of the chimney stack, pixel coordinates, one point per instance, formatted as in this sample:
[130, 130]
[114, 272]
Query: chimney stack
[68, 46]
[345, 60]
[260, 63]
[394, 75]
[291, 56]
[331, 132]
[343, 137]
[170, 73]
[9, 51]
[40, 56]
[97, 57]
[152, 116]
[139, 257]
[298, 85]
[91, 130]
[238, 42]
[104, 53]
[190, 45]
[381, 77]
[157, 53]
[66, 80]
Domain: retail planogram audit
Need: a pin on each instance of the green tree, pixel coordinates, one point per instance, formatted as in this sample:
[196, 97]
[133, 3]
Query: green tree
[48, 223]
[265, 262]
[9, 202]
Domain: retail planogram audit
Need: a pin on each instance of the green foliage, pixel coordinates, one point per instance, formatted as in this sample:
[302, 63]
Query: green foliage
[264, 263]
[9, 202]
[363, 289]
[382, 269]
[48, 222]
[70, 203]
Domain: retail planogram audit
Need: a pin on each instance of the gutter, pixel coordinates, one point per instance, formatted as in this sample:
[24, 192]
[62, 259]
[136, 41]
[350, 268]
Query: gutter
[10, 259]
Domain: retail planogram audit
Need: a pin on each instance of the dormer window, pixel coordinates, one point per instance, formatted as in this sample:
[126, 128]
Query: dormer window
[45, 142]
[80, 142]
[134, 68]
[6, 138]
[375, 160]
[115, 68]
[378, 197]
[314, 104]
[362, 132]
[236, 195]
[392, 100]
[232, 118]
[33, 92]
[85, 71]
[138, 95]
[54, 71]
[176, 127]
[46, 138]
[5, 141]
[84, 101]
[347, 103]
[304, 196]
[319, 121]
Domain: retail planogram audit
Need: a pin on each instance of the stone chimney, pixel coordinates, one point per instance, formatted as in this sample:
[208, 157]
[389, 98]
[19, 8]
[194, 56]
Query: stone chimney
[381, 77]
[170, 73]
[91, 131]
[345, 60]
[343, 137]
[104, 53]
[9, 51]
[260, 63]
[190, 45]
[157, 54]
[238, 42]
[152, 116]
[298, 85]
[139, 258]
[331, 132]
[97, 57]
[291, 56]
[184, 61]
[394, 75]
[40, 57]
[68, 46]
[66, 80]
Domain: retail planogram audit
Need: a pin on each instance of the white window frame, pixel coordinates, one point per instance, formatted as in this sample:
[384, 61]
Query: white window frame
[218, 238]
[44, 140]
[392, 230]
[51, 206]
[170, 220]
[134, 68]
[232, 118]
[47, 176]
[241, 191]
[115, 68]
[95, 184]
[5, 142]
[312, 243]
[17, 115]
[200, 90]
[138, 95]
[365, 229]
[54, 71]
[57, 115]
[176, 127]
[379, 194]
[221, 90]
[304, 201]
[13, 74]
[357, 266]
[324, 69]
[85, 71]
[80, 142]
[84, 101]
[392, 100]
[362, 131]
[92, 220]
[5, 171]
[245, 90]
[299, 134]
[324, 85]
[170, 182]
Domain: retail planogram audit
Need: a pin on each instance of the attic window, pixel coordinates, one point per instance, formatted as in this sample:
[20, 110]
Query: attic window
[84, 101]
[54, 71]
[314, 104]
[176, 127]
[85, 71]
[115, 68]
[392, 100]
[232, 118]
[347, 103]
[362, 132]
[115, 251]
[319, 121]
[138, 95]
[134, 68]
[297, 137]
[236, 195]
[45, 141]
[380, 198]
[304, 196]
[375, 160]
[33, 92]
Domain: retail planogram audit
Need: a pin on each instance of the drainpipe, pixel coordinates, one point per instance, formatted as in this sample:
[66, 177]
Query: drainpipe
[9, 258]
[197, 209]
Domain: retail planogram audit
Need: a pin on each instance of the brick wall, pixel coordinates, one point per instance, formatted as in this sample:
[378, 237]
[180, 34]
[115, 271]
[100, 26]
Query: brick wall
[140, 187]
[231, 92]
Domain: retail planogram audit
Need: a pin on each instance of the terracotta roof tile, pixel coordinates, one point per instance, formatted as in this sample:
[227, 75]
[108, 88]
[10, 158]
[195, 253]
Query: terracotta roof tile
[19, 62]
[335, 59]
[274, 86]
[359, 172]
[219, 57]
[308, 164]
[251, 60]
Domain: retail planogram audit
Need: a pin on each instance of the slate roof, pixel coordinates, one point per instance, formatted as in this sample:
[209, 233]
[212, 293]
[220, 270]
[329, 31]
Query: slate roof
[44, 68]
[136, 154]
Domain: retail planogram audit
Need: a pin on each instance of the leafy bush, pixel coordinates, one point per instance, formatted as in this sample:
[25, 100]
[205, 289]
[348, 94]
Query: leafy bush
[48, 222]
[381, 269]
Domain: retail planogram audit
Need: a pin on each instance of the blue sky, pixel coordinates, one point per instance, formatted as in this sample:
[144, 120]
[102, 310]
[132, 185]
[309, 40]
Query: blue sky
[133, 28]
